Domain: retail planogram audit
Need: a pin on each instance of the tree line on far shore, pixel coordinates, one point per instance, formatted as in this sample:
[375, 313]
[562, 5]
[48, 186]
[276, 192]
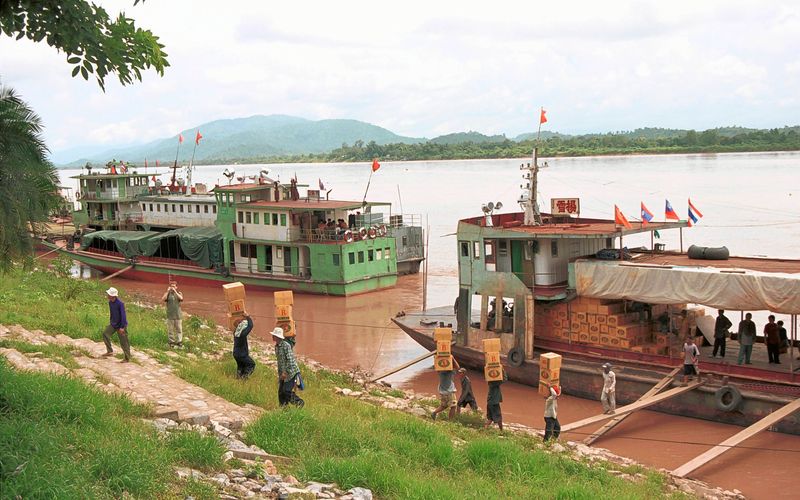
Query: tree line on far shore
[645, 141]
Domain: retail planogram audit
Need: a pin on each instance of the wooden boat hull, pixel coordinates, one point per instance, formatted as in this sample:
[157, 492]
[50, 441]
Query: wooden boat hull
[581, 378]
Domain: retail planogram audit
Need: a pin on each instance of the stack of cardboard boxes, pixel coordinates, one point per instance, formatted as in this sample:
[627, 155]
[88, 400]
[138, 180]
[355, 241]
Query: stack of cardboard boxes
[234, 295]
[549, 372]
[493, 371]
[284, 301]
[443, 359]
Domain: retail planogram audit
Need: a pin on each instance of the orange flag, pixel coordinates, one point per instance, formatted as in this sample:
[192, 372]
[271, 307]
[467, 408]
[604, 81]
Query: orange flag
[197, 138]
[542, 117]
[375, 165]
[620, 219]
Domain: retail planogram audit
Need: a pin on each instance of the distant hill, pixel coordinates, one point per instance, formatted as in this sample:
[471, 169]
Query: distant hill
[528, 136]
[254, 137]
[464, 137]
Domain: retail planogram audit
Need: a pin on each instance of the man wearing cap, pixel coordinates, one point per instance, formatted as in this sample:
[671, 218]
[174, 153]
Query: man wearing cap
[608, 397]
[118, 322]
[552, 427]
[467, 397]
[241, 350]
[287, 370]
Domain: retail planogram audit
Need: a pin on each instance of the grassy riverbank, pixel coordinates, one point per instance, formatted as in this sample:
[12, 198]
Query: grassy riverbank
[334, 438]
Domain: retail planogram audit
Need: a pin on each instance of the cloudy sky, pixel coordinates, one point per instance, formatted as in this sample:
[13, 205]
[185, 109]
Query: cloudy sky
[433, 67]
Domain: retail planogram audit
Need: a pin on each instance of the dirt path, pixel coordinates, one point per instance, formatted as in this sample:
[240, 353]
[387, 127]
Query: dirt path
[144, 380]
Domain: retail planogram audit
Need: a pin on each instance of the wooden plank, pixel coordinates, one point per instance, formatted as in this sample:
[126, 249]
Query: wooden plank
[638, 405]
[46, 253]
[732, 441]
[117, 273]
[403, 366]
[617, 420]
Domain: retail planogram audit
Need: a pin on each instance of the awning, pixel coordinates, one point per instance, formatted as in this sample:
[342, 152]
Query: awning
[203, 245]
[732, 289]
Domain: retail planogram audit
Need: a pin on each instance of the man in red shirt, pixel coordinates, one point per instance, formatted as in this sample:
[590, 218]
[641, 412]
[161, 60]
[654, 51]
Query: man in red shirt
[773, 340]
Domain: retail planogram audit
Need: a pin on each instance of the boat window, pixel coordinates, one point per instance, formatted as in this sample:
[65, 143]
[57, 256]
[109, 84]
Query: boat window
[476, 249]
[144, 207]
[405, 241]
[214, 208]
[488, 250]
[158, 207]
[241, 217]
[173, 207]
[335, 257]
[351, 257]
[283, 219]
[379, 254]
[387, 253]
[609, 243]
[244, 249]
[370, 255]
[248, 217]
[151, 207]
[266, 219]
[255, 217]
[205, 209]
[527, 251]
[502, 249]
[197, 208]
[554, 248]
[181, 208]
[245, 198]
[274, 219]
[464, 249]
[166, 207]
[360, 256]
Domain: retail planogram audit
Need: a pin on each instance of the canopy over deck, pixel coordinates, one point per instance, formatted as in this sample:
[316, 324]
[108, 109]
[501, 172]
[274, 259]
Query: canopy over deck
[202, 245]
[732, 288]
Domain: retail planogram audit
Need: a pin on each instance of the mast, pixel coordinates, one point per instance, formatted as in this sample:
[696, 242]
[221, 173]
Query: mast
[530, 206]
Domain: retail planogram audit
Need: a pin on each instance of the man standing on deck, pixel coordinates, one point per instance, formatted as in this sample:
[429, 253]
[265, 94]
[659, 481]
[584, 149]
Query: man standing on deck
[608, 397]
[721, 327]
[447, 392]
[173, 298]
[288, 371]
[690, 354]
[746, 335]
[467, 396]
[773, 340]
[118, 322]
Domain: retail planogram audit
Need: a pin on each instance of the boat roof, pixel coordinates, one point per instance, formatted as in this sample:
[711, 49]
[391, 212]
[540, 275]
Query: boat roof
[186, 198]
[733, 264]
[114, 176]
[250, 186]
[305, 204]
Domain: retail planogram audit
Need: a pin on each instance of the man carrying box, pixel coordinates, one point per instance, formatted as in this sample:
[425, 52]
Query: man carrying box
[467, 397]
[288, 371]
[447, 391]
[552, 428]
[493, 399]
[241, 350]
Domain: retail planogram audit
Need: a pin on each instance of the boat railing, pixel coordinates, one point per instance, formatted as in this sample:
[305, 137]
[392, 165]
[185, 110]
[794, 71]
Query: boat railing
[403, 220]
[276, 270]
[325, 235]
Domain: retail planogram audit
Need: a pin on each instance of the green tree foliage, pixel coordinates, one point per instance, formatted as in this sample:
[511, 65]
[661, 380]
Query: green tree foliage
[27, 178]
[93, 42]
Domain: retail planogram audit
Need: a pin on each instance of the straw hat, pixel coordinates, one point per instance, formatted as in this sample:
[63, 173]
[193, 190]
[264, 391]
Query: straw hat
[112, 292]
[278, 332]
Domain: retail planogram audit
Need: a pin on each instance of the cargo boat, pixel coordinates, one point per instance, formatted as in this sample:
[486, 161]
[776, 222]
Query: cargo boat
[541, 288]
[263, 233]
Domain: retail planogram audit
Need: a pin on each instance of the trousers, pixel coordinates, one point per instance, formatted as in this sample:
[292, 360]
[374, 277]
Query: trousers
[244, 366]
[719, 344]
[123, 341]
[286, 394]
[744, 353]
[608, 398]
[552, 429]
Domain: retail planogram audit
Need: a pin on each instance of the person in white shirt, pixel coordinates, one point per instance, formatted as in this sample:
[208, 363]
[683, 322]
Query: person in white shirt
[608, 397]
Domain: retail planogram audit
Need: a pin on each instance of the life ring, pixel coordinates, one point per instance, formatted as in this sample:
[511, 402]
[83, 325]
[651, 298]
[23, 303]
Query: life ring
[382, 230]
[372, 233]
[515, 357]
[348, 236]
[362, 233]
[728, 398]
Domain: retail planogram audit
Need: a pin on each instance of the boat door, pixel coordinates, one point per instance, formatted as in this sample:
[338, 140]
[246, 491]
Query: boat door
[465, 256]
[516, 258]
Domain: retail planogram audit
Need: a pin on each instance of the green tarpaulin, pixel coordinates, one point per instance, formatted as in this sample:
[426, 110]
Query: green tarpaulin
[203, 245]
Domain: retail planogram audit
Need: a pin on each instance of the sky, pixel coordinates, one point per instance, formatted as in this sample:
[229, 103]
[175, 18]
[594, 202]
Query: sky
[424, 69]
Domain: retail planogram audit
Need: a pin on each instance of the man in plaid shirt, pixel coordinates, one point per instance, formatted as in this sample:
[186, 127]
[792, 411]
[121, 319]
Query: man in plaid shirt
[288, 371]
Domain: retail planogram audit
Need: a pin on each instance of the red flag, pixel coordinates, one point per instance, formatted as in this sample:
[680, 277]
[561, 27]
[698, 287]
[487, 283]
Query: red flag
[197, 138]
[180, 138]
[620, 219]
[542, 117]
[375, 165]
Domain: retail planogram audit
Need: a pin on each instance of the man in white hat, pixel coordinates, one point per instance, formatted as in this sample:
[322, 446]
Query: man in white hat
[118, 322]
[608, 397]
[288, 371]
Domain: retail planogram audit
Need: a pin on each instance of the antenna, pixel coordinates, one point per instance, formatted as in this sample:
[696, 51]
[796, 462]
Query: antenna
[527, 200]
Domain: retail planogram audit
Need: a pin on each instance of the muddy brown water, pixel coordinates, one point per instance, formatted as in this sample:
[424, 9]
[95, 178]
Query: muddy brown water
[356, 331]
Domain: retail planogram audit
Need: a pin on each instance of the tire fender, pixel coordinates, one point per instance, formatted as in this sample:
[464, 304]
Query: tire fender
[515, 357]
[727, 398]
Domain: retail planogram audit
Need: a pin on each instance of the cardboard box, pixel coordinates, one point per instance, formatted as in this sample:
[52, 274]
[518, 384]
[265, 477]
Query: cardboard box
[661, 339]
[442, 334]
[581, 316]
[443, 363]
[492, 358]
[544, 390]
[284, 298]
[443, 348]
[550, 361]
[610, 308]
[583, 337]
[605, 340]
[602, 319]
[591, 318]
[603, 329]
[233, 291]
[236, 306]
[289, 329]
[575, 326]
[546, 375]
[562, 314]
[233, 320]
[493, 373]
[491, 345]
[594, 329]
[283, 313]
[557, 323]
[594, 338]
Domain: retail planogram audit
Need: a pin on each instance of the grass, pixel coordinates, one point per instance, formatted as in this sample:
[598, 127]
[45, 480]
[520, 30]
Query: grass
[334, 438]
[55, 352]
[60, 438]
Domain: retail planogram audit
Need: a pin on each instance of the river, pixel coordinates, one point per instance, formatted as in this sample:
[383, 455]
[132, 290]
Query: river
[750, 203]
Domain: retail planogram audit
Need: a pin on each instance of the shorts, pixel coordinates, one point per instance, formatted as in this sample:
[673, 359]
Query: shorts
[494, 414]
[447, 400]
[689, 370]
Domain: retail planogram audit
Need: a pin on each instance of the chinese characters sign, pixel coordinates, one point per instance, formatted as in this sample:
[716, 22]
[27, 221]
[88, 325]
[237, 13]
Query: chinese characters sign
[565, 206]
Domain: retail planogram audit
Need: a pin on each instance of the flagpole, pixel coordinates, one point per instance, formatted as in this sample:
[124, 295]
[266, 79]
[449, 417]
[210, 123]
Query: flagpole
[175, 165]
[364, 201]
[538, 132]
[191, 162]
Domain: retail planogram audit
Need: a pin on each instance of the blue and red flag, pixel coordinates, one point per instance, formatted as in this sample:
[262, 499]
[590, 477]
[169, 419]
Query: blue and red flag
[694, 213]
[669, 212]
[647, 215]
